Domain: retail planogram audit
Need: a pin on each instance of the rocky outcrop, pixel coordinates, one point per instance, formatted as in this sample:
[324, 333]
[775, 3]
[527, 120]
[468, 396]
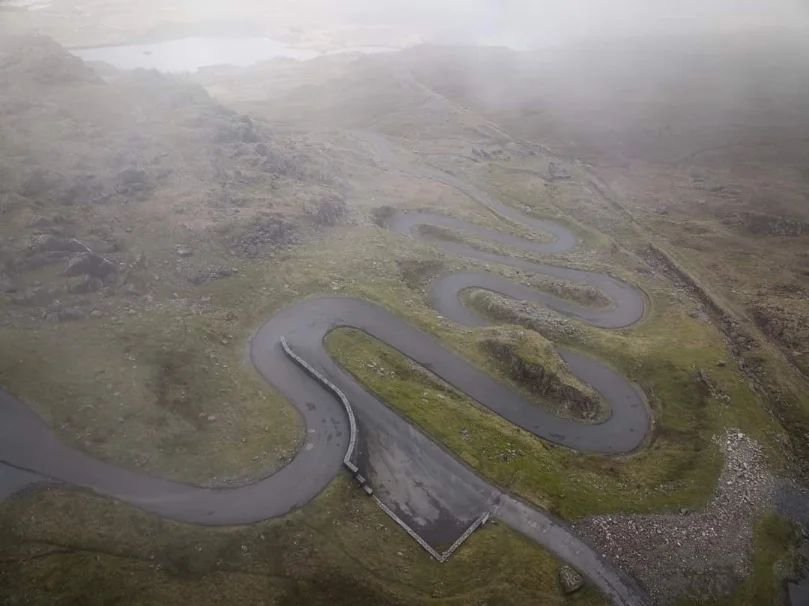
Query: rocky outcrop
[51, 243]
[760, 224]
[542, 320]
[41, 59]
[541, 380]
[328, 211]
[382, 214]
[266, 236]
[791, 329]
[90, 264]
[556, 172]
[210, 274]
[133, 182]
[417, 273]
[788, 328]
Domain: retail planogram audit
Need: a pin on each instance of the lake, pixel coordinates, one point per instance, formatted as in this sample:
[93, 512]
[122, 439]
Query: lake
[190, 54]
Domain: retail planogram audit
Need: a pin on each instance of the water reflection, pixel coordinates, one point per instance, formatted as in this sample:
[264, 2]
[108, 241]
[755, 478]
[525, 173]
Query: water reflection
[190, 54]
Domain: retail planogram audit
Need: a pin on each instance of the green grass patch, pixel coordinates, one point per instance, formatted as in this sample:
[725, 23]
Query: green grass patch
[677, 469]
[166, 391]
[70, 546]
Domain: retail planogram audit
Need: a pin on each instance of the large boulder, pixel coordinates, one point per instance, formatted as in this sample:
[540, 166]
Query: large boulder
[90, 264]
[570, 580]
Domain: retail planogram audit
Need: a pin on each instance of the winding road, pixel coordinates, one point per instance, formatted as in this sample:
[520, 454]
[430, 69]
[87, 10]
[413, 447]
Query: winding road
[418, 479]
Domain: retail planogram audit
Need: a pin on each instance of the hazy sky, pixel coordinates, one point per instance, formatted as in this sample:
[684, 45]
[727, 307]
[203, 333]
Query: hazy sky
[539, 22]
[515, 23]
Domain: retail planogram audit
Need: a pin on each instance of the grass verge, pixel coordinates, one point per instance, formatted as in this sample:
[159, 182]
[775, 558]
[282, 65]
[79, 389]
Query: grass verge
[67, 546]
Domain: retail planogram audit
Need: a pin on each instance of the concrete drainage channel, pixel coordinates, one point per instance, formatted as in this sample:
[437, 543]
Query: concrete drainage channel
[348, 462]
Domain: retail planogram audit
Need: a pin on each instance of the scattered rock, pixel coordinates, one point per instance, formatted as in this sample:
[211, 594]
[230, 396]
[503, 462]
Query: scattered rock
[693, 556]
[266, 236]
[211, 274]
[183, 251]
[68, 314]
[711, 387]
[557, 172]
[570, 580]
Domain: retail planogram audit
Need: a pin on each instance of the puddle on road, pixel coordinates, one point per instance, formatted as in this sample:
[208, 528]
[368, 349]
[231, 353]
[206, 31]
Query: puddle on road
[190, 54]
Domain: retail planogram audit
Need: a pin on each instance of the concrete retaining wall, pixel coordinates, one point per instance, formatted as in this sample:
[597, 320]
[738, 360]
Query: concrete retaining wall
[348, 459]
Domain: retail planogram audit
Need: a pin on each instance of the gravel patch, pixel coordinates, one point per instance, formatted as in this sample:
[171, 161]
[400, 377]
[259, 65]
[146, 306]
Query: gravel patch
[694, 555]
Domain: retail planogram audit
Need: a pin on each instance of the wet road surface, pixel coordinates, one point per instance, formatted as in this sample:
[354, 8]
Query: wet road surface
[428, 487]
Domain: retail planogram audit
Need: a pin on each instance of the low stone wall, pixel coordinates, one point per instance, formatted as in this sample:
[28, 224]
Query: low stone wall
[348, 461]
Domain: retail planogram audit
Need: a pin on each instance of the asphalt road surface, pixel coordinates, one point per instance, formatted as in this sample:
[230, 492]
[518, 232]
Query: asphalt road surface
[423, 483]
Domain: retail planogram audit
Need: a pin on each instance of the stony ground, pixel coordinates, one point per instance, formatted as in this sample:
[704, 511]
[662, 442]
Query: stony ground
[694, 555]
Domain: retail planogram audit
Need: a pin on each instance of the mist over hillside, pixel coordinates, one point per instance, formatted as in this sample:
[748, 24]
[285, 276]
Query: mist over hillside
[404, 302]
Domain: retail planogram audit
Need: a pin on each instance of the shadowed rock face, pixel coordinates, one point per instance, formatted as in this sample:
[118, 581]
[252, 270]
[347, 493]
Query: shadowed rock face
[542, 381]
[89, 264]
